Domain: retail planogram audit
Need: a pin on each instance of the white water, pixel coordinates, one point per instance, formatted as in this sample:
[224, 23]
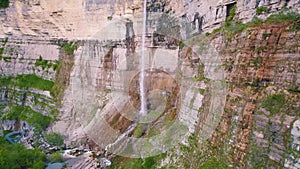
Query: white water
[120, 138]
[143, 101]
[143, 110]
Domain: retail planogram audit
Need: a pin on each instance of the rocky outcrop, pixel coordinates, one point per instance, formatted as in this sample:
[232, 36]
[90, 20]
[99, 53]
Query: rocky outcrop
[265, 64]
[19, 57]
[61, 19]
[83, 19]
[264, 56]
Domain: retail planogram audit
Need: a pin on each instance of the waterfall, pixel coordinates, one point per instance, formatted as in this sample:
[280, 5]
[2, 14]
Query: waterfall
[143, 110]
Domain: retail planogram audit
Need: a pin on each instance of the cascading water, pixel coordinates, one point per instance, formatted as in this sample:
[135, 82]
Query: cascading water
[143, 109]
[143, 98]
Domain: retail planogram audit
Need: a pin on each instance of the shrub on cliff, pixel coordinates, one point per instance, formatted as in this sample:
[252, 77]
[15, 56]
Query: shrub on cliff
[69, 48]
[4, 3]
[16, 156]
[260, 10]
[56, 157]
[38, 120]
[55, 139]
[231, 15]
[283, 18]
[274, 103]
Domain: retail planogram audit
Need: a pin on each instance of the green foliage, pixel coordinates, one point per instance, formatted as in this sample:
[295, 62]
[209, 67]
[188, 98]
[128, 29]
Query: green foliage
[255, 22]
[61, 81]
[260, 112]
[133, 163]
[33, 81]
[5, 40]
[214, 163]
[69, 48]
[231, 14]
[216, 31]
[233, 28]
[196, 154]
[6, 132]
[55, 139]
[138, 131]
[201, 75]
[283, 18]
[39, 121]
[260, 10]
[4, 3]
[274, 103]
[54, 112]
[56, 157]
[266, 35]
[45, 63]
[147, 163]
[110, 18]
[1, 52]
[191, 154]
[63, 69]
[153, 131]
[7, 59]
[202, 91]
[27, 81]
[16, 156]
[181, 45]
[295, 27]
[13, 113]
[56, 66]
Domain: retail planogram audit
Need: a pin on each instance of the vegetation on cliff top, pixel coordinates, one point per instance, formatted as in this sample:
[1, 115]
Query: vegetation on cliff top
[231, 28]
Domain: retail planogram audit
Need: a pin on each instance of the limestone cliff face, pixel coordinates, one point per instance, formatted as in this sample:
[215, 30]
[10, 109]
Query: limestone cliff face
[219, 87]
[259, 63]
[84, 18]
[61, 19]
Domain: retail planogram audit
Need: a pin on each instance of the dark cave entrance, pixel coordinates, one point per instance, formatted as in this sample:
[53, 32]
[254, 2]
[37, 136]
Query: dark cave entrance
[229, 7]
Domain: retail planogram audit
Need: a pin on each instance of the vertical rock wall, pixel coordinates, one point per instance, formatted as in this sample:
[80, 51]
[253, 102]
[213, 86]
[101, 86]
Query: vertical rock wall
[259, 64]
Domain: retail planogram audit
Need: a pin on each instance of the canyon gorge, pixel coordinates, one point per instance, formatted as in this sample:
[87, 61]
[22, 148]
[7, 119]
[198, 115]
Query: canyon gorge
[177, 84]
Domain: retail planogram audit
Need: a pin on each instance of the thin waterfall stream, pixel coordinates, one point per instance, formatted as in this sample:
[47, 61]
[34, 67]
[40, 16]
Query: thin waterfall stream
[143, 98]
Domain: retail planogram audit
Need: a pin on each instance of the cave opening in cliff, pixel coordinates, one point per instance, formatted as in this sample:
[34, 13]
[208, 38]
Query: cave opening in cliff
[229, 7]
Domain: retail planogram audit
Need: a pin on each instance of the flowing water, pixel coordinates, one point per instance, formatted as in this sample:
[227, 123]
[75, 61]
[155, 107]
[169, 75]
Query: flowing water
[143, 98]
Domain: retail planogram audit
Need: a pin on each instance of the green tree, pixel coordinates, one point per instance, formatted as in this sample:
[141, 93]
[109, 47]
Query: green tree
[16, 156]
[55, 139]
[56, 157]
[4, 3]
